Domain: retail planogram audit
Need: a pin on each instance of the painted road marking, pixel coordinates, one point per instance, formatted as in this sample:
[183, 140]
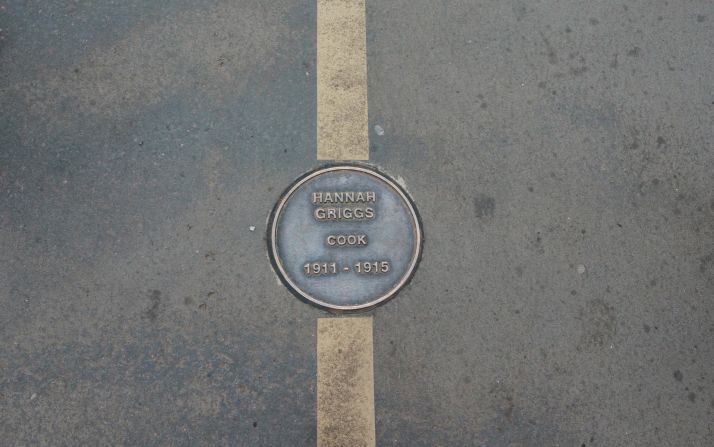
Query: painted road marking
[345, 363]
[342, 120]
[345, 383]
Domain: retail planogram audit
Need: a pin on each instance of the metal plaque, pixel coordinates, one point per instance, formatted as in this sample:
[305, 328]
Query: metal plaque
[345, 237]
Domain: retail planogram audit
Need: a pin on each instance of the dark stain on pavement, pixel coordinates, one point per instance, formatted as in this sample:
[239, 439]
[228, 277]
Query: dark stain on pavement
[155, 301]
[484, 206]
[599, 324]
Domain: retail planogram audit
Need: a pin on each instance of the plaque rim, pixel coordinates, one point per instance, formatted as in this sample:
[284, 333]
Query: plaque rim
[369, 170]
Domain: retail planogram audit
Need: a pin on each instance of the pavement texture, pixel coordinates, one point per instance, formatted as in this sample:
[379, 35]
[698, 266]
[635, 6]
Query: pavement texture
[560, 154]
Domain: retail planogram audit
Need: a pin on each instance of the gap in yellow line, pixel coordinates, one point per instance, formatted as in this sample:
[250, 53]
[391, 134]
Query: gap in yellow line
[345, 383]
[342, 116]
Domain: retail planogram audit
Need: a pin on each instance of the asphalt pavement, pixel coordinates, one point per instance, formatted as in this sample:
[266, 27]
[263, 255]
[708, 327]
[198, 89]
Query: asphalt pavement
[559, 153]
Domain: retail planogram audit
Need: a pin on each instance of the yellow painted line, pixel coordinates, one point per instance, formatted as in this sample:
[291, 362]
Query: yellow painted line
[345, 383]
[345, 364]
[342, 121]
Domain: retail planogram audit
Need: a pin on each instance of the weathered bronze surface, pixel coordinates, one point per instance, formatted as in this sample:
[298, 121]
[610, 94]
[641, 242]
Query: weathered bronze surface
[345, 237]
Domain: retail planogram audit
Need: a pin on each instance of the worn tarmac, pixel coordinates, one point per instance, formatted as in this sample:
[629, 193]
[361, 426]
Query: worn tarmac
[560, 154]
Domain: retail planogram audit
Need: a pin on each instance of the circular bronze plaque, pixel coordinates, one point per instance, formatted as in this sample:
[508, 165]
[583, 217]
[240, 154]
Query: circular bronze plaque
[345, 237]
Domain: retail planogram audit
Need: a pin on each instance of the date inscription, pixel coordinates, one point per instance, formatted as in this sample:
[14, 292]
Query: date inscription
[359, 268]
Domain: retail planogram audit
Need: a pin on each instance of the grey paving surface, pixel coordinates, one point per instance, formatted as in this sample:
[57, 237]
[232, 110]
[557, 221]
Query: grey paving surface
[560, 153]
